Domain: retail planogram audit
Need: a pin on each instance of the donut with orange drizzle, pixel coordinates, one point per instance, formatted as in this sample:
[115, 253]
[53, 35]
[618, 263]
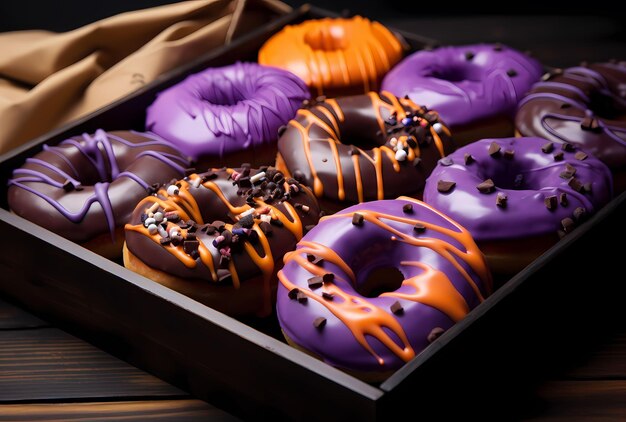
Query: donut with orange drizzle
[219, 236]
[361, 148]
[372, 308]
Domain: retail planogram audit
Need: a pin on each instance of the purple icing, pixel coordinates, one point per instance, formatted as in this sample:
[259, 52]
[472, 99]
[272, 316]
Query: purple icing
[228, 109]
[465, 83]
[527, 179]
[336, 344]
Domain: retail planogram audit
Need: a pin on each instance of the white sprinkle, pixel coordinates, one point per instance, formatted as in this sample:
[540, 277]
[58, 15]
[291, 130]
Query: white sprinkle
[149, 221]
[154, 207]
[196, 182]
[152, 229]
[393, 142]
[401, 155]
[151, 214]
[305, 208]
[175, 232]
[438, 127]
[265, 217]
[158, 216]
[246, 212]
[257, 177]
[162, 231]
[172, 190]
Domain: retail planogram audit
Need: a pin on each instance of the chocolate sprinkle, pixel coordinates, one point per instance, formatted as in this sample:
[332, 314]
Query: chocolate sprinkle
[469, 55]
[319, 322]
[486, 187]
[494, 149]
[444, 186]
[301, 297]
[328, 296]
[501, 200]
[551, 202]
[328, 277]
[407, 208]
[315, 282]
[357, 219]
[568, 224]
[548, 147]
[511, 72]
[567, 147]
[590, 124]
[446, 161]
[580, 214]
[558, 156]
[293, 293]
[563, 199]
[509, 154]
[435, 333]
[276, 222]
[580, 155]
[396, 308]
[68, 186]
[469, 158]
[576, 184]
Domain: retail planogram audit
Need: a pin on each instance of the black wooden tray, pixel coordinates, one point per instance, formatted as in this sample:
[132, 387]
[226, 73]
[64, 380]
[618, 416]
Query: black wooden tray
[245, 367]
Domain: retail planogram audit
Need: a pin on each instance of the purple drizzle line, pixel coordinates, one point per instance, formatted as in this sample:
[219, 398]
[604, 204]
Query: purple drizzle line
[465, 83]
[228, 109]
[90, 148]
[525, 214]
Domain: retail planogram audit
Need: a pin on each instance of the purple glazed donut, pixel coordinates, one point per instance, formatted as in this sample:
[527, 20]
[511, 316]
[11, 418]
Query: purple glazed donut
[228, 115]
[87, 187]
[475, 88]
[370, 309]
[516, 196]
[583, 105]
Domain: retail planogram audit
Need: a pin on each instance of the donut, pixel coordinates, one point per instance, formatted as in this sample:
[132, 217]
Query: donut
[369, 310]
[518, 196]
[335, 56]
[363, 147]
[86, 187]
[475, 88]
[227, 114]
[584, 106]
[219, 236]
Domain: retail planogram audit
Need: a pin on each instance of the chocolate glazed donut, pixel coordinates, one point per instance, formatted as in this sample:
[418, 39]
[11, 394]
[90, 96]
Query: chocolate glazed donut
[363, 147]
[219, 237]
[584, 106]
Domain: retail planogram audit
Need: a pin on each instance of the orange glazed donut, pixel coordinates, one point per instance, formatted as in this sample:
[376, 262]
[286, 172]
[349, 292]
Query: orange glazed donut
[335, 56]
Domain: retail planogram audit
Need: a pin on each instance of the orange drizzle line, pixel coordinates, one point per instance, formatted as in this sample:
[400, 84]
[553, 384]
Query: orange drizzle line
[358, 179]
[433, 288]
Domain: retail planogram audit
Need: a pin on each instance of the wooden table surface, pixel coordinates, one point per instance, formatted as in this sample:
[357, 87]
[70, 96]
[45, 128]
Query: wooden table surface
[48, 374]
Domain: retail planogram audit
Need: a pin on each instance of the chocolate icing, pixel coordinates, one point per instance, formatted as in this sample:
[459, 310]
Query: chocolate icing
[225, 110]
[89, 185]
[465, 84]
[444, 277]
[585, 106]
[243, 223]
[529, 180]
[364, 147]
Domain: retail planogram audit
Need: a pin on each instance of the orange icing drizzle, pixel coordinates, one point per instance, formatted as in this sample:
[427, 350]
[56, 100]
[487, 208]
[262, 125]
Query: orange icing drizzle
[431, 287]
[186, 206]
[311, 120]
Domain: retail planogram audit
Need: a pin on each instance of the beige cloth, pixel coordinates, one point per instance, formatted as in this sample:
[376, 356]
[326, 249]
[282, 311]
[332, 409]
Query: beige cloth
[48, 79]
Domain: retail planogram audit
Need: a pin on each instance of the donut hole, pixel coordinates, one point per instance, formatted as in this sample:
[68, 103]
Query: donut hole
[220, 97]
[513, 176]
[456, 73]
[380, 280]
[330, 38]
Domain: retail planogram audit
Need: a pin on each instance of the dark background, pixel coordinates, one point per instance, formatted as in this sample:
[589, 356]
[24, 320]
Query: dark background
[557, 35]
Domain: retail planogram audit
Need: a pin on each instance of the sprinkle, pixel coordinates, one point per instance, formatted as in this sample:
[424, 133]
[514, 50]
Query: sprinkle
[328, 296]
[162, 231]
[190, 245]
[469, 55]
[407, 208]
[266, 228]
[153, 229]
[354, 151]
[435, 333]
[494, 149]
[149, 221]
[401, 155]
[587, 187]
[558, 156]
[293, 293]
[590, 124]
[563, 199]
[257, 177]
[486, 187]
[153, 208]
[419, 228]
[567, 147]
[319, 322]
[580, 214]
[246, 221]
[165, 241]
[396, 308]
[225, 252]
[357, 219]
[548, 147]
[446, 161]
[550, 202]
[328, 278]
[68, 186]
[302, 207]
[468, 158]
[509, 154]
[315, 260]
[511, 72]
[301, 297]
[580, 155]
[276, 222]
[438, 127]
[265, 218]
[444, 186]
[576, 184]
[568, 224]
[501, 200]
[315, 282]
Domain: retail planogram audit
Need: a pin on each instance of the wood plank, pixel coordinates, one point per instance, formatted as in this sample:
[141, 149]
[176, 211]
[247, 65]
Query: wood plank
[581, 401]
[12, 317]
[159, 410]
[49, 364]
